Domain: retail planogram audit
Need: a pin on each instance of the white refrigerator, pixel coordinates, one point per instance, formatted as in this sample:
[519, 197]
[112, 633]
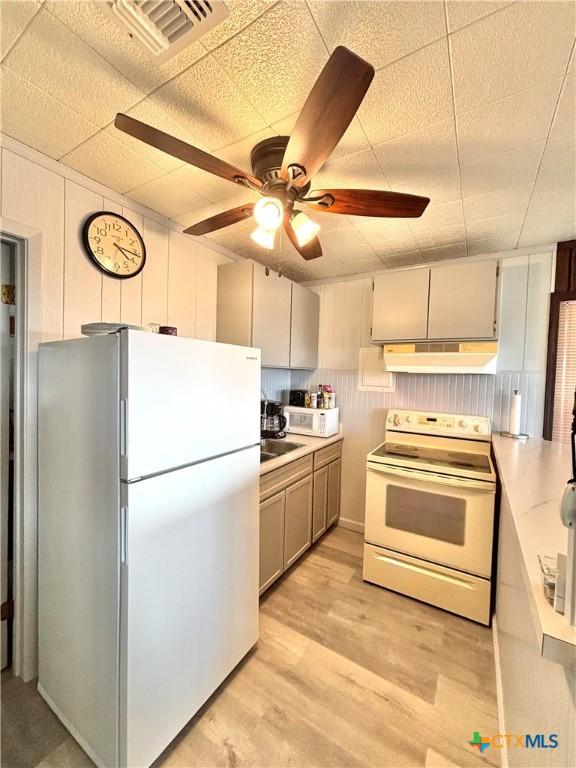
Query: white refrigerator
[148, 533]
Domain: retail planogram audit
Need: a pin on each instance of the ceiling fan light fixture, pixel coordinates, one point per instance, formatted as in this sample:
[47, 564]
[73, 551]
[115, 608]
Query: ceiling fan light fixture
[269, 213]
[304, 228]
[264, 237]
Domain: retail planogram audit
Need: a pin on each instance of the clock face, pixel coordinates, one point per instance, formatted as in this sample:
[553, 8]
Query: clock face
[114, 244]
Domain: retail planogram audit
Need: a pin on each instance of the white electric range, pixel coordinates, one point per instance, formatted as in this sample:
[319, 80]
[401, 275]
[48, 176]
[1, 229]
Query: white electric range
[429, 528]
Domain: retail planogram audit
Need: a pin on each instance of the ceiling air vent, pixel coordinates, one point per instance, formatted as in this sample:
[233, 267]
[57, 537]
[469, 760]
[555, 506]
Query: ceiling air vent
[166, 27]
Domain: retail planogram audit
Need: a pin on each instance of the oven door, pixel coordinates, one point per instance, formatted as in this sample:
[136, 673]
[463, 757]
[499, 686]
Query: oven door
[443, 519]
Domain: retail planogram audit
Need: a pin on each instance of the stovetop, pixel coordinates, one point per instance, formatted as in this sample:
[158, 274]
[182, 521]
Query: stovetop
[426, 455]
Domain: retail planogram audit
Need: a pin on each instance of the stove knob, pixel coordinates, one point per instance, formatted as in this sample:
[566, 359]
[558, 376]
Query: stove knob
[477, 427]
[409, 419]
[463, 423]
[398, 420]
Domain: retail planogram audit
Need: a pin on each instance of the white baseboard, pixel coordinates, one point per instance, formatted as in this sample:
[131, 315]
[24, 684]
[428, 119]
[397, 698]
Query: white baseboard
[499, 697]
[350, 525]
[70, 728]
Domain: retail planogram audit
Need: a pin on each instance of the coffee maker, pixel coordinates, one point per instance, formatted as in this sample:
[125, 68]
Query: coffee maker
[272, 419]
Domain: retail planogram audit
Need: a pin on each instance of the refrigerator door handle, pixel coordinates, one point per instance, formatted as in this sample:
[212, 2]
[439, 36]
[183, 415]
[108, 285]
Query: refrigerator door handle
[123, 536]
[122, 427]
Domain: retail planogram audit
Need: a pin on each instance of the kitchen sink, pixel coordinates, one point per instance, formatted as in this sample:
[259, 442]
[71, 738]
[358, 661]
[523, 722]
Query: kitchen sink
[271, 449]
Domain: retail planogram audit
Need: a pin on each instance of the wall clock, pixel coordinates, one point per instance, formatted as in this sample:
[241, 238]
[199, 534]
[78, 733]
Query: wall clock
[114, 244]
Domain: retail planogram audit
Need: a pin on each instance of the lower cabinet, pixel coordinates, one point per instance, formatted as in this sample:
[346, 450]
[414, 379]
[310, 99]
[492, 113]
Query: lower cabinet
[272, 539]
[298, 503]
[334, 472]
[320, 505]
[297, 520]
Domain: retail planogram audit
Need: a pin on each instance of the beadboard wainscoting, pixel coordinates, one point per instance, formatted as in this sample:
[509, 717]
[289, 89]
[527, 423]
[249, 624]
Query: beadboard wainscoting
[276, 383]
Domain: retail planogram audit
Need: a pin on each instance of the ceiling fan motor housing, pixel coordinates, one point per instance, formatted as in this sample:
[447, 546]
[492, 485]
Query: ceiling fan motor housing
[266, 160]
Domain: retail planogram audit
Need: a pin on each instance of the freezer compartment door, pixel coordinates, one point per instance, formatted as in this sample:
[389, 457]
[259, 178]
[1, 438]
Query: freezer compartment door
[185, 400]
[189, 595]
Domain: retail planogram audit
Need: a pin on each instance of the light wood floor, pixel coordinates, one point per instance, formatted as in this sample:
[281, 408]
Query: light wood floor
[345, 674]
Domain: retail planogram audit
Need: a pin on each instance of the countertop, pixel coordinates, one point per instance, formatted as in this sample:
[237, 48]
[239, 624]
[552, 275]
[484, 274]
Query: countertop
[309, 445]
[533, 475]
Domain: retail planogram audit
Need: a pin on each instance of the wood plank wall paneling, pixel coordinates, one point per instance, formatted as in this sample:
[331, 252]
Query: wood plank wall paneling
[182, 285]
[155, 275]
[177, 285]
[206, 278]
[82, 281]
[34, 196]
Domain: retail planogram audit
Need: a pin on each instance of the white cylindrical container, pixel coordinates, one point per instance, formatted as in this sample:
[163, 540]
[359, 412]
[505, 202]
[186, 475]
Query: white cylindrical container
[515, 413]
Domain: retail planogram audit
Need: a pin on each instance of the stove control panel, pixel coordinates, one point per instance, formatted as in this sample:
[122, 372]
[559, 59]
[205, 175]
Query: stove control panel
[447, 424]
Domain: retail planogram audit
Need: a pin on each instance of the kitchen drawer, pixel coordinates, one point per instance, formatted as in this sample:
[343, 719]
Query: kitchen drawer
[281, 478]
[451, 590]
[326, 455]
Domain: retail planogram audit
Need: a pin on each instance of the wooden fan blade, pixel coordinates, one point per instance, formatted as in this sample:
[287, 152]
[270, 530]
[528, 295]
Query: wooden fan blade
[180, 149]
[312, 250]
[221, 220]
[327, 113]
[369, 202]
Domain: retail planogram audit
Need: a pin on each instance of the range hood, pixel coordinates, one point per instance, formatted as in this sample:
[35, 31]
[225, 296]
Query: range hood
[441, 357]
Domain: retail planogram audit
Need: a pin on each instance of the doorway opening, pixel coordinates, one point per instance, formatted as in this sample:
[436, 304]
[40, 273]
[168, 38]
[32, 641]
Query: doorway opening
[8, 351]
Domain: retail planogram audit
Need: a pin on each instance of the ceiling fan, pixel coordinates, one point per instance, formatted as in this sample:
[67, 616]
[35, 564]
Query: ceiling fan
[283, 167]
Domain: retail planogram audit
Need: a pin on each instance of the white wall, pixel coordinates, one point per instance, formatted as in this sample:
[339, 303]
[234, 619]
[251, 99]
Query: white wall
[47, 203]
[345, 320]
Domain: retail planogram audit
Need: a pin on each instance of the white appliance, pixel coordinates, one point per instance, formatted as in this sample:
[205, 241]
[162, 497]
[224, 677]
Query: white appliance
[430, 491]
[442, 357]
[148, 533]
[319, 422]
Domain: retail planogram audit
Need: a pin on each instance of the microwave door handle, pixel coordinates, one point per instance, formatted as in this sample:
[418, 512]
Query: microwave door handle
[433, 477]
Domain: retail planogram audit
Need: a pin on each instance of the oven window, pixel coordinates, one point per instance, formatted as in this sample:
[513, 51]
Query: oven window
[427, 514]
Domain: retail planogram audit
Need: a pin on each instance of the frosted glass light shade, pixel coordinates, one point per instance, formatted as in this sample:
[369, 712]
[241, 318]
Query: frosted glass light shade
[264, 237]
[304, 228]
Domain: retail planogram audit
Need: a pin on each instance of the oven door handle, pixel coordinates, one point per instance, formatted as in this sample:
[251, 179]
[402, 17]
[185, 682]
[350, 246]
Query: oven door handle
[433, 477]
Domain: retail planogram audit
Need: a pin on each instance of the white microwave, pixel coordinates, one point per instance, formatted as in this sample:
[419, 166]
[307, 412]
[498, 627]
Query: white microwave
[319, 422]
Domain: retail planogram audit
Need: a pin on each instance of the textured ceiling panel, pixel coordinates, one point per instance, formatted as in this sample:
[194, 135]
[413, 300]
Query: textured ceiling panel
[34, 117]
[114, 43]
[494, 150]
[460, 13]
[53, 59]
[166, 195]
[524, 44]
[379, 32]
[209, 104]
[275, 61]
[518, 166]
[511, 199]
[15, 15]
[408, 94]
[514, 121]
[423, 163]
[108, 161]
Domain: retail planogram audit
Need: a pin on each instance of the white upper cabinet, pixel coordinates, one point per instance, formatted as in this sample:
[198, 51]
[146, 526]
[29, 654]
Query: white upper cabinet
[255, 310]
[463, 301]
[455, 301]
[271, 317]
[305, 321]
[400, 306]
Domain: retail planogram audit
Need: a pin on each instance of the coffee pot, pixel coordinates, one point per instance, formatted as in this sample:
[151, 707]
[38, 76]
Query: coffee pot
[272, 419]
